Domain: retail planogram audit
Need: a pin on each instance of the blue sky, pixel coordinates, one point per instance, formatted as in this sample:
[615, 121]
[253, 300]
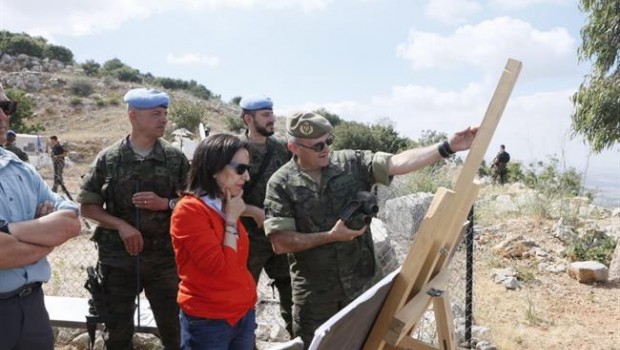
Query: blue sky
[423, 64]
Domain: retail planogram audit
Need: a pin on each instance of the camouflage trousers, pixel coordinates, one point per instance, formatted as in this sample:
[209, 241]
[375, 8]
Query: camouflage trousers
[59, 167]
[276, 266]
[308, 317]
[159, 280]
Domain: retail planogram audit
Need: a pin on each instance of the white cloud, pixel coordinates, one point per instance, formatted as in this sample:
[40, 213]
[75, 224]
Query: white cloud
[193, 58]
[488, 44]
[521, 4]
[77, 17]
[452, 11]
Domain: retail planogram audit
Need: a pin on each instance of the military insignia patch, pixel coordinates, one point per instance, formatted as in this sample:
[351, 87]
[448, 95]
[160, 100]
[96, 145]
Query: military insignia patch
[306, 128]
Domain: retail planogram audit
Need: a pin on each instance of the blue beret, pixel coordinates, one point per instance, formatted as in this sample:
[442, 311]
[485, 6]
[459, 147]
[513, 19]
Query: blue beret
[146, 98]
[255, 103]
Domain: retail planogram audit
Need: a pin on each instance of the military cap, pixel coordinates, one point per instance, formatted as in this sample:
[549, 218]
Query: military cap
[11, 133]
[255, 103]
[307, 125]
[142, 98]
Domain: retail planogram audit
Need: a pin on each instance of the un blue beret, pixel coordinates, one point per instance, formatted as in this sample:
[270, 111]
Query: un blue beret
[146, 98]
[255, 103]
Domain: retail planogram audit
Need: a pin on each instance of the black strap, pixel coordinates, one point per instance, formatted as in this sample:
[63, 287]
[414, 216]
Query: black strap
[263, 166]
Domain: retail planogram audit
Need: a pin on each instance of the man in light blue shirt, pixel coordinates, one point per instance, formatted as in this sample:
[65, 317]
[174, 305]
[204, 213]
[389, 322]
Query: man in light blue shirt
[33, 220]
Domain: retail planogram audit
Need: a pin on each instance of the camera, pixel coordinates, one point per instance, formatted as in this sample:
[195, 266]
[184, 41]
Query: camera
[360, 211]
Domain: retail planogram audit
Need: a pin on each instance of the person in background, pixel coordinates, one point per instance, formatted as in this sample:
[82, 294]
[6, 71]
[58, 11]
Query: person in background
[58, 154]
[267, 154]
[10, 146]
[217, 293]
[500, 165]
[331, 263]
[33, 220]
[130, 191]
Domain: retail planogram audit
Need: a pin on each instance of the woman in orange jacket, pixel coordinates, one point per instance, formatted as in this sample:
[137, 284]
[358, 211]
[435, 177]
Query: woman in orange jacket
[217, 292]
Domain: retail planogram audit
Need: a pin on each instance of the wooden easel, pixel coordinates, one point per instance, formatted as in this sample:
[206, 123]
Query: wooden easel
[424, 275]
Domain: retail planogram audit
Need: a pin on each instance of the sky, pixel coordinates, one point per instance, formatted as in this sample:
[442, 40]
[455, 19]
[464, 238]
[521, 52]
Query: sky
[425, 65]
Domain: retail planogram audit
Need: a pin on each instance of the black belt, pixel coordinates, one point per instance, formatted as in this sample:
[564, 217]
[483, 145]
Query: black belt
[22, 291]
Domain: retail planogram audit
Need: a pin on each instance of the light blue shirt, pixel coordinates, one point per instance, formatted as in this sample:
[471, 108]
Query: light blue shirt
[21, 190]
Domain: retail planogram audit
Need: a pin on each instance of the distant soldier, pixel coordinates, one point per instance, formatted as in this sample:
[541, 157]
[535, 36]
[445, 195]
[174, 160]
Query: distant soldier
[10, 146]
[58, 153]
[499, 165]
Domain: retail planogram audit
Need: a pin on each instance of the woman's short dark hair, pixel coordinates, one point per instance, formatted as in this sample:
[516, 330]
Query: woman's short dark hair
[210, 157]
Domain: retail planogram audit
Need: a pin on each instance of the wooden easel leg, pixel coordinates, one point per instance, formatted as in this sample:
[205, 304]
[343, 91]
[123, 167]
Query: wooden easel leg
[445, 323]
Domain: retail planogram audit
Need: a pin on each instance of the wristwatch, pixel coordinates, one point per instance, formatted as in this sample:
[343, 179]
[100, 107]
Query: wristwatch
[172, 203]
[4, 227]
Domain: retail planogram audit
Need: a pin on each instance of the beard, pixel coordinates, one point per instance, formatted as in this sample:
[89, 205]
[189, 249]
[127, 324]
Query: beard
[264, 131]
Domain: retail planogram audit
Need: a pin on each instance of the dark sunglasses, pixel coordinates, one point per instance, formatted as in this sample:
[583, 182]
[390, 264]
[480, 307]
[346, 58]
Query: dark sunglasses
[8, 107]
[318, 147]
[240, 169]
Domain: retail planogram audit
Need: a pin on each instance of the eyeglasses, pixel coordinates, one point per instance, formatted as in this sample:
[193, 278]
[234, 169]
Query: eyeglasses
[240, 169]
[8, 107]
[320, 146]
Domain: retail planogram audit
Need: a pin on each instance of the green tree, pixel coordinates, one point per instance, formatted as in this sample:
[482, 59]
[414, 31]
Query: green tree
[354, 135]
[91, 68]
[23, 44]
[236, 100]
[25, 106]
[333, 118]
[597, 108]
[60, 53]
[112, 65]
[186, 114]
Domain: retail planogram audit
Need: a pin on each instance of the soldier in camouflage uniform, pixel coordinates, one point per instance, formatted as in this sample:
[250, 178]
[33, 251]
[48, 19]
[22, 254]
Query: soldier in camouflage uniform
[130, 191]
[57, 153]
[330, 263]
[10, 146]
[257, 113]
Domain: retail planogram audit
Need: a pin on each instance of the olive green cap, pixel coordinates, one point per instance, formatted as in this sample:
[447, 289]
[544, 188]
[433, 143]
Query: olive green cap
[307, 125]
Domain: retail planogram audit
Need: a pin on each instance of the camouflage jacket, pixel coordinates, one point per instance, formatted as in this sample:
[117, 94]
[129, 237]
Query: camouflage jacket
[116, 175]
[254, 193]
[294, 202]
[18, 152]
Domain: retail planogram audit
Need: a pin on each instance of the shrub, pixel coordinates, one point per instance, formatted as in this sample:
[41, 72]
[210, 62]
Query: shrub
[59, 53]
[81, 87]
[76, 101]
[234, 123]
[128, 74]
[186, 114]
[23, 44]
[589, 248]
[24, 111]
[91, 68]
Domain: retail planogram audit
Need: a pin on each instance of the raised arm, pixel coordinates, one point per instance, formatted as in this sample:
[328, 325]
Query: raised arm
[417, 158]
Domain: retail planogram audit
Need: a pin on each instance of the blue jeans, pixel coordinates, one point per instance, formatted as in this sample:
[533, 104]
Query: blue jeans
[207, 334]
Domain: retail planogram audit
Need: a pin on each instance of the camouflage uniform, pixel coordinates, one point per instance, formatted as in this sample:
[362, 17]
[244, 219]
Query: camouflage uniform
[18, 152]
[59, 165]
[117, 173]
[261, 253]
[328, 277]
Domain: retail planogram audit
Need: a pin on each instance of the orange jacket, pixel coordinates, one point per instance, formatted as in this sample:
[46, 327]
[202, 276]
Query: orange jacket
[215, 281]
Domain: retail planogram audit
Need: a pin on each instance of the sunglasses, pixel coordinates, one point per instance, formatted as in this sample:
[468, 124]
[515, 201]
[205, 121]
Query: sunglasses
[318, 147]
[8, 107]
[240, 169]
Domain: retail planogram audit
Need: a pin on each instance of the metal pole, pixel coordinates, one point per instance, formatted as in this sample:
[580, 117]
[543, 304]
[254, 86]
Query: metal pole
[469, 282]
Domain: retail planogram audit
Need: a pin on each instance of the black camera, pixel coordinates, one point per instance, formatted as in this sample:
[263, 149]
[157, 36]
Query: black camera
[360, 211]
[8, 107]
